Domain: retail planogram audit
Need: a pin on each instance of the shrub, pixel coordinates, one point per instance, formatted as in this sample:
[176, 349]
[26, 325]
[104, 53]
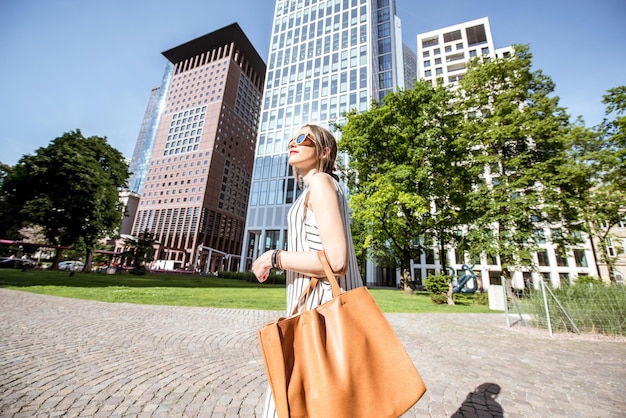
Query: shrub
[439, 285]
[462, 299]
[139, 270]
[588, 281]
[481, 298]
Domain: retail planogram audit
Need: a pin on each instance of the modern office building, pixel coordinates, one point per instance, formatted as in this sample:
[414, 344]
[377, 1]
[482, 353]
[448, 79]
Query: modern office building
[201, 127]
[443, 54]
[326, 58]
[142, 153]
[410, 67]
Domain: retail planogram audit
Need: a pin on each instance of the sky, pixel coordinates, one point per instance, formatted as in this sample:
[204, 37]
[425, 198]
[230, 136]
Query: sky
[90, 65]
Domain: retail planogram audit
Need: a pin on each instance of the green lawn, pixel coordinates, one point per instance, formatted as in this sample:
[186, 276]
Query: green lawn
[189, 290]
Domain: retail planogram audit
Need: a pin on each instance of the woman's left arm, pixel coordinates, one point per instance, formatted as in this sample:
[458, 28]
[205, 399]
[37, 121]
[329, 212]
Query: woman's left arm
[324, 202]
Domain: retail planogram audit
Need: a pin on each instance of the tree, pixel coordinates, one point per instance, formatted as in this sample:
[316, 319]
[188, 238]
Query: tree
[614, 133]
[406, 173]
[142, 250]
[518, 136]
[70, 188]
[602, 152]
[9, 225]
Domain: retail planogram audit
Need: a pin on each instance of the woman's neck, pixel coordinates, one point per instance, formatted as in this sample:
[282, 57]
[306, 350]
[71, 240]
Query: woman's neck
[306, 177]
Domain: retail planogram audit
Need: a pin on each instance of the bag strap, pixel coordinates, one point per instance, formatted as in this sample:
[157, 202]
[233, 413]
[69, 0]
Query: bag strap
[330, 275]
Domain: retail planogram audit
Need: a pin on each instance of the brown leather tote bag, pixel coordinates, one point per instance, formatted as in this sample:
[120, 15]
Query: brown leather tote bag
[341, 359]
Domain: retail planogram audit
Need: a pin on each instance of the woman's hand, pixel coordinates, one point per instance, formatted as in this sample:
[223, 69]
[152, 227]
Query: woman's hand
[262, 266]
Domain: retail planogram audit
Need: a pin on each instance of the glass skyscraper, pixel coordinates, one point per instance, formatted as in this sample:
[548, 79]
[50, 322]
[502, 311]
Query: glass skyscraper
[147, 133]
[326, 58]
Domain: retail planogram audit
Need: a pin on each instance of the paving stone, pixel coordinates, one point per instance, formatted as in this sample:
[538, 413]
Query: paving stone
[76, 358]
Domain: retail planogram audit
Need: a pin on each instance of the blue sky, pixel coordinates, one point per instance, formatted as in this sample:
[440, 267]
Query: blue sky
[90, 65]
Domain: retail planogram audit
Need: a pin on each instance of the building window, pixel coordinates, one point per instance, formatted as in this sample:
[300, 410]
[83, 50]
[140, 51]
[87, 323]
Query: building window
[579, 256]
[434, 40]
[543, 259]
[576, 236]
[476, 35]
[459, 256]
[427, 63]
[430, 256]
[561, 257]
[271, 239]
[610, 248]
[452, 36]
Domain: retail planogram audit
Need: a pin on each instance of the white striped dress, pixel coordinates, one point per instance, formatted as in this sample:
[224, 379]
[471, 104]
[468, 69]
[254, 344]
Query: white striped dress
[303, 235]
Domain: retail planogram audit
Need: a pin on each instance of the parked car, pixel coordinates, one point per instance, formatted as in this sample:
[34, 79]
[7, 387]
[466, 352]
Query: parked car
[71, 265]
[17, 263]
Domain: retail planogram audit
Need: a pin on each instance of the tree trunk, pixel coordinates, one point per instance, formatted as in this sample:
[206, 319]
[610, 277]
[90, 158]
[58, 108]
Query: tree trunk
[443, 259]
[405, 280]
[592, 234]
[57, 258]
[88, 261]
[450, 292]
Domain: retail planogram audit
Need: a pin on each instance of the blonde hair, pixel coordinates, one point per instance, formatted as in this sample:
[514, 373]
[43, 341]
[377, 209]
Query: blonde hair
[324, 139]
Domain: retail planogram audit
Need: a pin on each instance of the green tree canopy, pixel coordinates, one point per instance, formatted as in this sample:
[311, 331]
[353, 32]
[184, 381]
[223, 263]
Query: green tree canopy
[142, 251]
[70, 188]
[518, 135]
[406, 173]
[602, 152]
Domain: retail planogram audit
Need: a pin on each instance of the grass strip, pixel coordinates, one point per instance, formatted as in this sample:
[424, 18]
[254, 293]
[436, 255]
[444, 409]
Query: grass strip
[193, 290]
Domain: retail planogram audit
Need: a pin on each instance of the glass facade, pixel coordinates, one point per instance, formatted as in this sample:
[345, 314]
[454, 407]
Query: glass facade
[326, 58]
[147, 134]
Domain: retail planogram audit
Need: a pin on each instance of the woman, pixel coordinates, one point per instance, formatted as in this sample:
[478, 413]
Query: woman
[318, 220]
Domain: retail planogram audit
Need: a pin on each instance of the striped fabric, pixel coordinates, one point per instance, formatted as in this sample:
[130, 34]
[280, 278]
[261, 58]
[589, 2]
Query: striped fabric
[303, 235]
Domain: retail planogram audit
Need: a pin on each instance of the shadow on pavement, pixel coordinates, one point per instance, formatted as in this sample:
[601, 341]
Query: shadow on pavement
[481, 403]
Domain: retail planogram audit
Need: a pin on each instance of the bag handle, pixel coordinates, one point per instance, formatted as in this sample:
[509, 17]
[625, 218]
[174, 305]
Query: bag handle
[330, 275]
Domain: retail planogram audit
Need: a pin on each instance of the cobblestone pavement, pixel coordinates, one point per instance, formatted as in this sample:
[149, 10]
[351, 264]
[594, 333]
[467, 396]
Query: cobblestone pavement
[74, 358]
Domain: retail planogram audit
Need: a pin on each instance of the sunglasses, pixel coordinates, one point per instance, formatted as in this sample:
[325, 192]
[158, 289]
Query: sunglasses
[302, 140]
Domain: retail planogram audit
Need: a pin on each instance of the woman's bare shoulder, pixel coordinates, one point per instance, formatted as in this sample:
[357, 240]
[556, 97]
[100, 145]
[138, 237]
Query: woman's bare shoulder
[322, 180]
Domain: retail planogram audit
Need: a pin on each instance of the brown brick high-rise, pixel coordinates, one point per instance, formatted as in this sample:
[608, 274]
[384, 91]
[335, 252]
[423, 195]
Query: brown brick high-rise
[195, 194]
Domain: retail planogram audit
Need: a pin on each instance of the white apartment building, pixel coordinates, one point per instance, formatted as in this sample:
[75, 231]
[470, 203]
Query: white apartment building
[615, 246]
[444, 54]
